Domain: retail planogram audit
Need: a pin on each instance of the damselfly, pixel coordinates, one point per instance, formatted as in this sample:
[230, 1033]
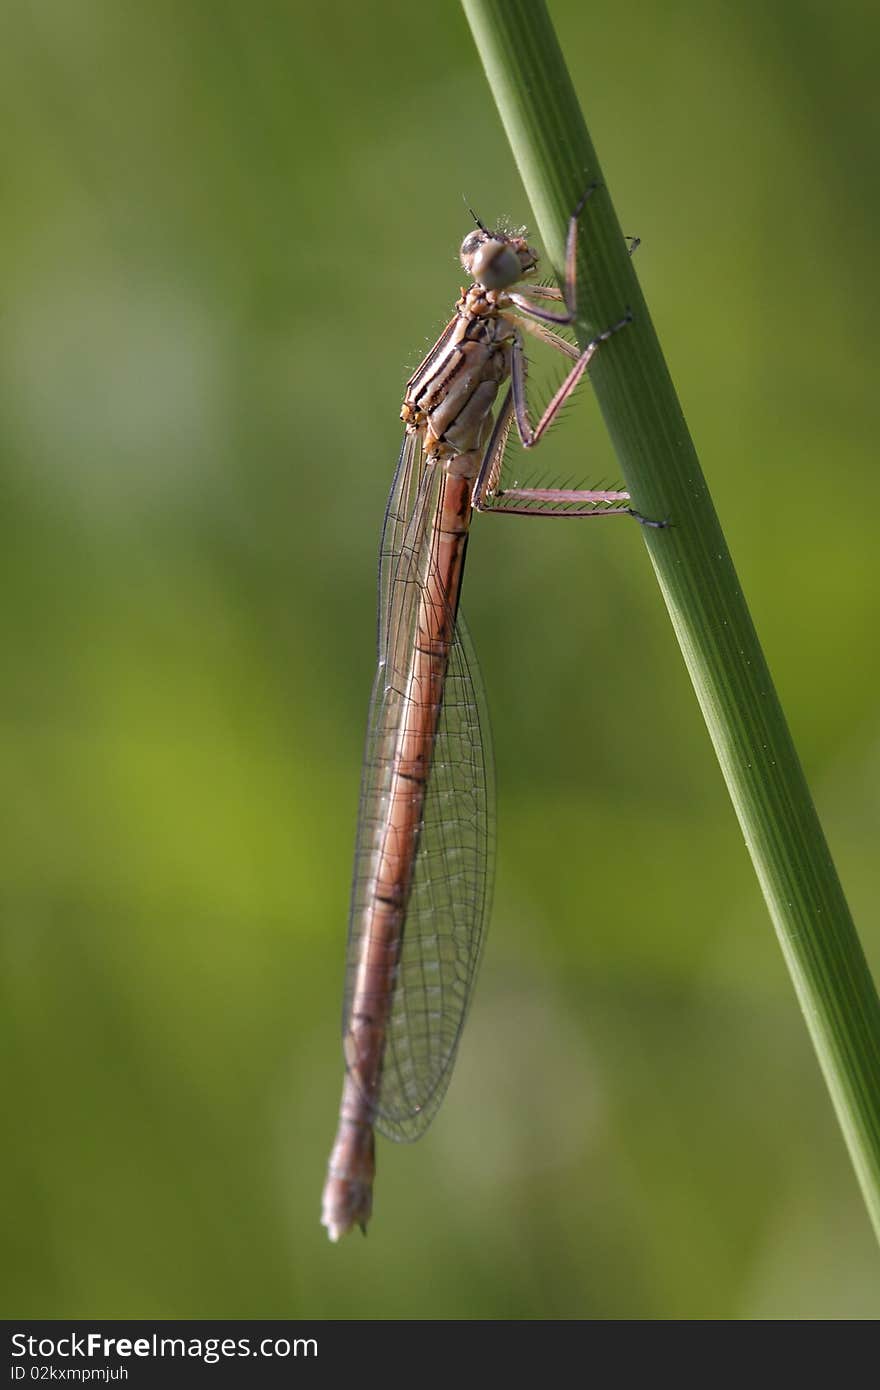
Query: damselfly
[423, 861]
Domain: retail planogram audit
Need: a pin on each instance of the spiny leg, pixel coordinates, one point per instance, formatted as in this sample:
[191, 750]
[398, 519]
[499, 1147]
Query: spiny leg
[534, 501]
[487, 497]
[526, 501]
[569, 291]
[570, 287]
[485, 489]
[548, 336]
[569, 294]
[529, 435]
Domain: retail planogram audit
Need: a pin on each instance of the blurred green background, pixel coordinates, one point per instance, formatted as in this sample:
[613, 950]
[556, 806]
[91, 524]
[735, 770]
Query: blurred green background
[229, 233]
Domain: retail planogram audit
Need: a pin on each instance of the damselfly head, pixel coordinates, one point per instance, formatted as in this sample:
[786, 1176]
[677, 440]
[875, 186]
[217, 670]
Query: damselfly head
[496, 260]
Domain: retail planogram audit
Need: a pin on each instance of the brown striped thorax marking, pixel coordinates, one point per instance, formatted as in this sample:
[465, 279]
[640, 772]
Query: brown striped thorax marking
[452, 394]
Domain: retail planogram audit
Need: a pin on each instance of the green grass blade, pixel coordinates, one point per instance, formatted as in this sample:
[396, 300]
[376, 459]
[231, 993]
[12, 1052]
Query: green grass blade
[546, 129]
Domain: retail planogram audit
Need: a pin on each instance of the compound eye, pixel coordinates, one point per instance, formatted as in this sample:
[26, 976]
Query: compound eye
[496, 265]
[471, 244]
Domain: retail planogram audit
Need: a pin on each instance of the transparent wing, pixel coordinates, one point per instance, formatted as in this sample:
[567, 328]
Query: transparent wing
[400, 512]
[452, 842]
[448, 911]
[401, 509]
